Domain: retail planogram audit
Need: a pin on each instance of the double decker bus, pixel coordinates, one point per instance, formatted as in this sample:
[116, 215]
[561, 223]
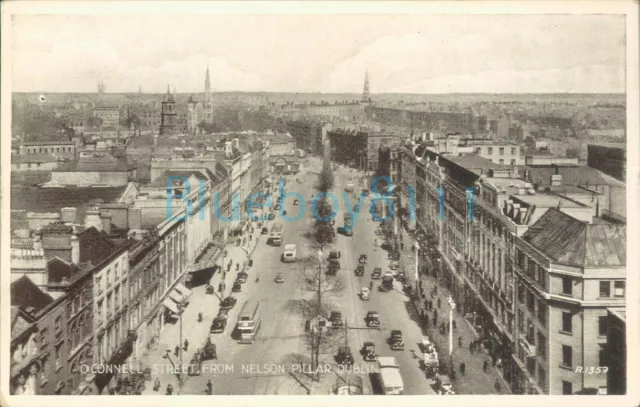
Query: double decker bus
[248, 321]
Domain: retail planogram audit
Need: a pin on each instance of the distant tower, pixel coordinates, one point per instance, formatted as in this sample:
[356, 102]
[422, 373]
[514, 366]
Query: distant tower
[168, 114]
[366, 98]
[207, 90]
[101, 87]
[326, 162]
[140, 89]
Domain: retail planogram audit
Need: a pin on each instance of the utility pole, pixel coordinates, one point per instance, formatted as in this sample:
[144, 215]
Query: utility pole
[452, 306]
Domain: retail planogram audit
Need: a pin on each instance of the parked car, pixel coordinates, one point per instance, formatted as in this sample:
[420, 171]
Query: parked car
[376, 274]
[237, 287]
[280, 278]
[369, 352]
[271, 216]
[393, 265]
[242, 277]
[344, 356]
[265, 231]
[334, 266]
[443, 384]
[362, 259]
[359, 270]
[219, 322]
[336, 319]
[334, 254]
[277, 207]
[228, 302]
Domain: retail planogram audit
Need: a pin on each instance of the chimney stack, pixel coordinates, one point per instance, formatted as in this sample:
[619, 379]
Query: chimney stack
[75, 249]
[93, 219]
[69, 215]
[236, 142]
[105, 218]
[227, 149]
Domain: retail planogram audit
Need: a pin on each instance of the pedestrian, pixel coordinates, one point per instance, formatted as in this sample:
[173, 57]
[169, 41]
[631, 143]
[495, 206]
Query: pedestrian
[439, 302]
[442, 328]
[422, 295]
[485, 366]
[422, 315]
[186, 344]
[426, 305]
[430, 305]
[471, 347]
[460, 341]
[436, 291]
[169, 389]
[499, 363]
[156, 385]
[209, 386]
[497, 386]
[463, 367]
[494, 359]
[454, 324]
[177, 350]
[453, 373]
[426, 322]
[420, 285]
[435, 313]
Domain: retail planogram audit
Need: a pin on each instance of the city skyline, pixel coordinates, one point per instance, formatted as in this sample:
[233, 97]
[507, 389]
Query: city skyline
[79, 51]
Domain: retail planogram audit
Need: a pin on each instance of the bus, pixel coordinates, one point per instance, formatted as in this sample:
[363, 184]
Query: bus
[248, 321]
[390, 376]
[276, 235]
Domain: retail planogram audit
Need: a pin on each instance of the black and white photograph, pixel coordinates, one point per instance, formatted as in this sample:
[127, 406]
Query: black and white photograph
[354, 198]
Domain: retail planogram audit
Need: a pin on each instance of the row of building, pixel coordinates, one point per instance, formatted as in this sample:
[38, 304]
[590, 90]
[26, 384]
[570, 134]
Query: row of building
[98, 271]
[535, 258]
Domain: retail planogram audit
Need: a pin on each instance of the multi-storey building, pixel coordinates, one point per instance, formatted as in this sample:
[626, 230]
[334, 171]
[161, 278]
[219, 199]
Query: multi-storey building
[168, 115]
[497, 236]
[109, 116]
[612, 160]
[58, 149]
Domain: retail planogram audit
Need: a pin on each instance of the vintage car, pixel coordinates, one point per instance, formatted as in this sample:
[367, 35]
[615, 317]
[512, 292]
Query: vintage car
[394, 255]
[228, 302]
[369, 352]
[265, 231]
[377, 273]
[362, 259]
[242, 277]
[334, 266]
[360, 270]
[280, 278]
[209, 351]
[336, 319]
[393, 265]
[372, 319]
[387, 283]
[365, 294]
[296, 202]
[219, 322]
[277, 207]
[334, 254]
[271, 216]
[237, 287]
[344, 356]
[395, 340]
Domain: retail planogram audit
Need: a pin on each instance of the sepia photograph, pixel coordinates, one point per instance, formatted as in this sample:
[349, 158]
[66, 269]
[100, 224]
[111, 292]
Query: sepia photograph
[355, 198]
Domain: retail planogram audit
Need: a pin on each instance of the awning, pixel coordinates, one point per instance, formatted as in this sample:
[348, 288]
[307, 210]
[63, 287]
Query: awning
[183, 290]
[170, 305]
[175, 295]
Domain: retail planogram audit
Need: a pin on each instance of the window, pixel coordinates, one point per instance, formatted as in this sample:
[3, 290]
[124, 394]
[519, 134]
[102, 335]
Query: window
[618, 289]
[542, 313]
[513, 161]
[58, 324]
[501, 161]
[531, 301]
[567, 356]
[58, 363]
[566, 387]
[542, 345]
[542, 378]
[605, 289]
[109, 305]
[490, 150]
[117, 272]
[567, 286]
[108, 277]
[602, 326]
[513, 151]
[501, 151]
[567, 324]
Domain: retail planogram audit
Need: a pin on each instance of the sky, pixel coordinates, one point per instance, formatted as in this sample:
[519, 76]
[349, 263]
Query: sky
[320, 53]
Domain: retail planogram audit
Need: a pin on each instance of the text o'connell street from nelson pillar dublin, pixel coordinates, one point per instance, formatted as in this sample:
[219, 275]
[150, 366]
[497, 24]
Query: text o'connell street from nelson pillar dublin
[305, 203]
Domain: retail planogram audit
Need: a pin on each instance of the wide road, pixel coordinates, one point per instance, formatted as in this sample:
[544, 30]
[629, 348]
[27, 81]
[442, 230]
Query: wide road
[394, 307]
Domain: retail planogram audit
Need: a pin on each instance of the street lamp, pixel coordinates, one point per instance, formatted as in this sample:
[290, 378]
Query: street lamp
[417, 247]
[452, 306]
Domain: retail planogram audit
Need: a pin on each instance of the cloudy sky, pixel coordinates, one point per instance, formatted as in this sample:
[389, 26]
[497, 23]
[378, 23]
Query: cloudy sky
[320, 53]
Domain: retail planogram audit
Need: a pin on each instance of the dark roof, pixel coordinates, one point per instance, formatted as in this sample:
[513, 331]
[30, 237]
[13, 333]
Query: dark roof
[102, 163]
[95, 245]
[168, 97]
[36, 199]
[572, 175]
[58, 269]
[569, 241]
[25, 294]
[33, 158]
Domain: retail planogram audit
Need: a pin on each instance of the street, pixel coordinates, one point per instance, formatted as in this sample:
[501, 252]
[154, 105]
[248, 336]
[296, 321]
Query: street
[265, 366]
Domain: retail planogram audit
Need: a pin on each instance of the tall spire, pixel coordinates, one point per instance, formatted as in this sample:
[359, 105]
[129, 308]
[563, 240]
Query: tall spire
[365, 92]
[207, 90]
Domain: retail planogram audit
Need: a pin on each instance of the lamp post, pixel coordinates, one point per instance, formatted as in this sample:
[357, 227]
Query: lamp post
[452, 306]
[417, 247]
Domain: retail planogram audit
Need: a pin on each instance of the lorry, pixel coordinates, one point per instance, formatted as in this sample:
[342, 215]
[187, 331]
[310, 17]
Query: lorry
[275, 238]
[390, 377]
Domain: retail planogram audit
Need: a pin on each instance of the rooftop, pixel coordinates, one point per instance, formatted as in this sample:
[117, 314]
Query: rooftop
[569, 241]
[542, 200]
[96, 163]
[25, 294]
[33, 158]
[48, 143]
[572, 175]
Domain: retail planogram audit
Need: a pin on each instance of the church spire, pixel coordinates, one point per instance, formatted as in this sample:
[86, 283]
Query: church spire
[207, 89]
[366, 98]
